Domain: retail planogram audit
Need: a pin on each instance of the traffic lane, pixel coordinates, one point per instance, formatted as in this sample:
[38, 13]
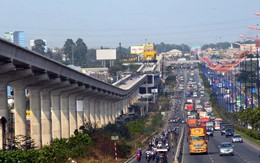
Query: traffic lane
[170, 153]
[213, 144]
[243, 151]
[195, 158]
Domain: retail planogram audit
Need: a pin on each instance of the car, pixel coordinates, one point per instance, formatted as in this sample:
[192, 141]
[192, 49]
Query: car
[223, 131]
[229, 132]
[237, 138]
[226, 148]
[195, 94]
[210, 132]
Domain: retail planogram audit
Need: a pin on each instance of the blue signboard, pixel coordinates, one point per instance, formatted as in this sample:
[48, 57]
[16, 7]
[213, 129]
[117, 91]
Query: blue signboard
[252, 90]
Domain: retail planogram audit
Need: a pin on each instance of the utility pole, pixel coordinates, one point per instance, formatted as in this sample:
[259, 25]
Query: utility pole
[72, 55]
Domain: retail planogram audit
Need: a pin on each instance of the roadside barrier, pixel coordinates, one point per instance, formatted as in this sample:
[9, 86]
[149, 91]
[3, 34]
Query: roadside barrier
[178, 154]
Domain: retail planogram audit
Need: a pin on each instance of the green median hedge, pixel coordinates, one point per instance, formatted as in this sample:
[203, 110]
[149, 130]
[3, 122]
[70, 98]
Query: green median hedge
[249, 132]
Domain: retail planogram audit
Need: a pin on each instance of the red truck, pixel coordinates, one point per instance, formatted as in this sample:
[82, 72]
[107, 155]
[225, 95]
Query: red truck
[190, 107]
[204, 120]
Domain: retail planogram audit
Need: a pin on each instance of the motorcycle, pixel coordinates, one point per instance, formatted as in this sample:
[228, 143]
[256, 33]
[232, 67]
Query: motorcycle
[148, 156]
[138, 157]
[153, 155]
[161, 159]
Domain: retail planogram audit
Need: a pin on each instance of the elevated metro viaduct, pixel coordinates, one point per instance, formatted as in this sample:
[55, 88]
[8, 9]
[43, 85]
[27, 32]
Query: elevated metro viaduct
[54, 91]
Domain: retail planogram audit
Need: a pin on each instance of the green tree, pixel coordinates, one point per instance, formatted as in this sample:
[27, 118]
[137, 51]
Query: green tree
[88, 128]
[81, 50]
[135, 127]
[57, 55]
[39, 46]
[68, 49]
[250, 116]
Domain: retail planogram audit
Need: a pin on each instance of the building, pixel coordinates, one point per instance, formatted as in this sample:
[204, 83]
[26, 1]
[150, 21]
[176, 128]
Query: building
[9, 36]
[19, 38]
[16, 37]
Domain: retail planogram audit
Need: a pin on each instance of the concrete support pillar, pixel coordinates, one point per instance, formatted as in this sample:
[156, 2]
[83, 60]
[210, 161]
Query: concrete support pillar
[114, 110]
[92, 110]
[104, 112]
[109, 117]
[3, 110]
[120, 109]
[56, 108]
[20, 101]
[72, 114]
[19, 110]
[86, 110]
[124, 107]
[56, 117]
[80, 116]
[46, 117]
[65, 117]
[35, 116]
[117, 108]
[97, 113]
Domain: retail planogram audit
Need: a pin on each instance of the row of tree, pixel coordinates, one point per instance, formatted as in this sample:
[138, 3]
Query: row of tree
[225, 45]
[77, 53]
[250, 116]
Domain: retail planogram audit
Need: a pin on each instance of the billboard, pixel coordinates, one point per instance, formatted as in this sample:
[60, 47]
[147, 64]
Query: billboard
[137, 49]
[148, 47]
[106, 54]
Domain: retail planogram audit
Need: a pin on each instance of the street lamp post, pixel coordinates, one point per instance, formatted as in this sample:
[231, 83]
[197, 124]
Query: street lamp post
[251, 84]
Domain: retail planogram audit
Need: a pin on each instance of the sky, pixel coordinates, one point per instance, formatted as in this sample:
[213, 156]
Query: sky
[131, 22]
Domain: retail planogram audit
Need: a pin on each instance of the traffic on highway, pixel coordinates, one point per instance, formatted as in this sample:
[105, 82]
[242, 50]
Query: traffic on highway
[206, 137]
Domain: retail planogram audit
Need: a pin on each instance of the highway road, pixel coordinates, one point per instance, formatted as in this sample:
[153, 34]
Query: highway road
[244, 152]
[175, 111]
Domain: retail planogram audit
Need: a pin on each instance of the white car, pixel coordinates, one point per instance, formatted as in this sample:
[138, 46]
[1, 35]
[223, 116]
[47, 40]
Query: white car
[237, 138]
[195, 94]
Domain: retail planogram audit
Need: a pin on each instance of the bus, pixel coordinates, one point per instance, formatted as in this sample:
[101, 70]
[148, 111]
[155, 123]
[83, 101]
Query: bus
[217, 123]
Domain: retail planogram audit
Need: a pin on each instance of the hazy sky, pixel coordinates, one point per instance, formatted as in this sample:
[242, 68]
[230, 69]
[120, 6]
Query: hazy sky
[131, 22]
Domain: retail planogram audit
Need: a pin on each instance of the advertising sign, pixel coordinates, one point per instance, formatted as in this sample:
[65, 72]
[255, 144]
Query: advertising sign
[106, 54]
[137, 49]
[148, 47]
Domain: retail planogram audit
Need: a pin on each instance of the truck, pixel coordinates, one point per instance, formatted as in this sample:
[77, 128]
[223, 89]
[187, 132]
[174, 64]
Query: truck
[210, 125]
[194, 113]
[203, 114]
[192, 122]
[197, 138]
[227, 129]
[189, 108]
[204, 120]
[197, 102]
[208, 109]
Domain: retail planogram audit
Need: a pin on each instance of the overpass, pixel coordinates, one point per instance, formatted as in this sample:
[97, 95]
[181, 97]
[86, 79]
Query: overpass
[61, 99]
